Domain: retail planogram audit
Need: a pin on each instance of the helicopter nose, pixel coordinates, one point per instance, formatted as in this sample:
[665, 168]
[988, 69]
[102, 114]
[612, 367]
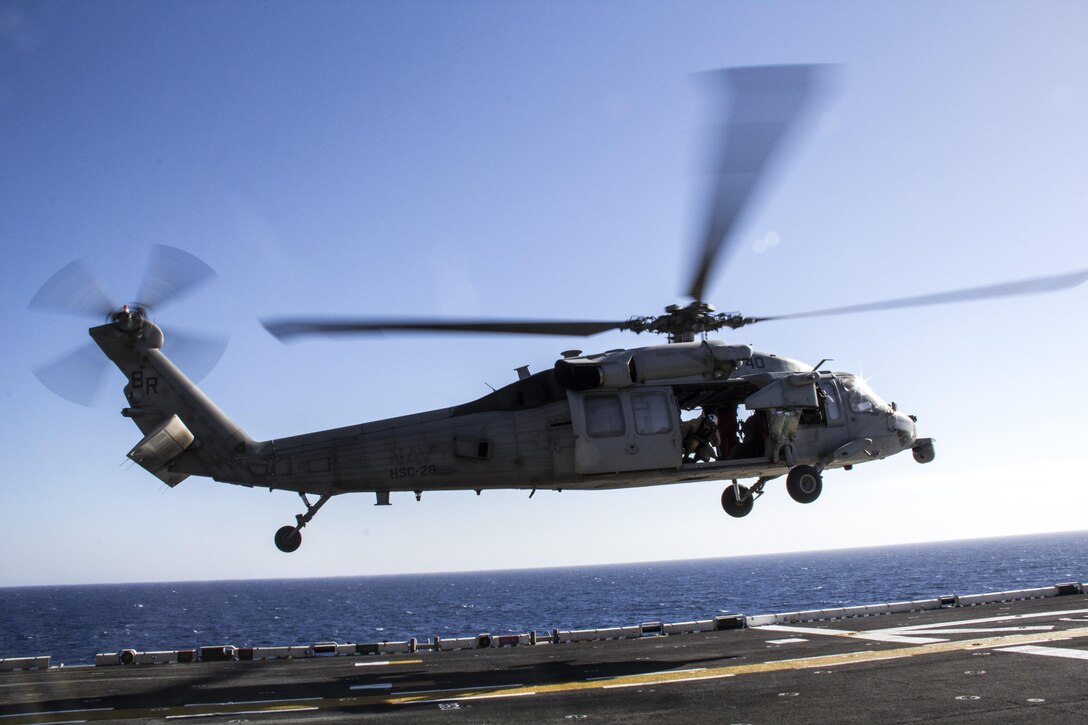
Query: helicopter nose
[905, 429]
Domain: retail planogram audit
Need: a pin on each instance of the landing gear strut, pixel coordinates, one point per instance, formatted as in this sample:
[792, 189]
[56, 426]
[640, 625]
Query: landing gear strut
[289, 538]
[803, 483]
[737, 500]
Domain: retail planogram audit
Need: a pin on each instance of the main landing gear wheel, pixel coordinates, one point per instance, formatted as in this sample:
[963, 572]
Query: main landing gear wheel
[737, 507]
[288, 539]
[804, 484]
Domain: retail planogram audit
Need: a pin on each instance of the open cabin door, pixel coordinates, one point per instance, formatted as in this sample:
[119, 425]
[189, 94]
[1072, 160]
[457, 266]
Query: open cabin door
[794, 391]
[782, 402]
[636, 429]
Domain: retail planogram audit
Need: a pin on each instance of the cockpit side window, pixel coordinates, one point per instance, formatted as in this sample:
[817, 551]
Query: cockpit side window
[861, 396]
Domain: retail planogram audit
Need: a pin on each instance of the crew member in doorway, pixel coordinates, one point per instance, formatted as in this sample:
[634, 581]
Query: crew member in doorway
[701, 438]
[753, 437]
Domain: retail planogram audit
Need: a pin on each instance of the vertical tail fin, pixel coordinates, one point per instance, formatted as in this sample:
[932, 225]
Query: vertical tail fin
[185, 433]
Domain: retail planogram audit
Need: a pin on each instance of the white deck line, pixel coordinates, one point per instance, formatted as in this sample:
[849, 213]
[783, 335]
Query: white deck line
[879, 635]
[1034, 649]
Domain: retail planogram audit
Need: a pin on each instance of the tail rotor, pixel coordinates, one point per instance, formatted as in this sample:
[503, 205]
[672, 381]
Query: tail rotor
[74, 290]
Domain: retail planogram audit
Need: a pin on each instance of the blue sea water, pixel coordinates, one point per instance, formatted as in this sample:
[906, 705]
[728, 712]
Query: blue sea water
[72, 623]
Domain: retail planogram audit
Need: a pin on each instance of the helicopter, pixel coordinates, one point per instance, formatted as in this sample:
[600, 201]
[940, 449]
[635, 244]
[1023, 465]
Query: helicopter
[692, 409]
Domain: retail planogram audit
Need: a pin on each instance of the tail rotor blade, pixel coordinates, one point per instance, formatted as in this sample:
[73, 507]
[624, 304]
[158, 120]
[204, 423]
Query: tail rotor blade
[195, 354]
[73, 290]
[171, 274]
[76, 376]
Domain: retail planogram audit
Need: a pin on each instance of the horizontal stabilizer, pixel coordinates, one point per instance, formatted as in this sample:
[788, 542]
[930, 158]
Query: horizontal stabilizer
[161, 447]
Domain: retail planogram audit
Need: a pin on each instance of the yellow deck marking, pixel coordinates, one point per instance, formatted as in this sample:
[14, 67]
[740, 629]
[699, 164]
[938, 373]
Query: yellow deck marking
[671, 681]
[488, 696]
[384, 663]
[846, 658]
[653, 678]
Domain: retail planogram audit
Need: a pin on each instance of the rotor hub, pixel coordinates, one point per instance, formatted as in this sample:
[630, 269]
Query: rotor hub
[129, 319]
[683, 323]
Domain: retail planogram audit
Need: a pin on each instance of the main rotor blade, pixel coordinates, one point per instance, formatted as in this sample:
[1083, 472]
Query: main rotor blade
[766, 102]
[171, 274]
[76, 376]
[73, 290]
[1007, 289]
[286, 328]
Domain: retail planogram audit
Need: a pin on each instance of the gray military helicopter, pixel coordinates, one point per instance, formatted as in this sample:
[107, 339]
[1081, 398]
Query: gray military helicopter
[593, 421]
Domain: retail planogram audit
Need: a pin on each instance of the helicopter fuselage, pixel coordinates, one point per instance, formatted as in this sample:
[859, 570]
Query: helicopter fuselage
[613, 420]
[539, 434]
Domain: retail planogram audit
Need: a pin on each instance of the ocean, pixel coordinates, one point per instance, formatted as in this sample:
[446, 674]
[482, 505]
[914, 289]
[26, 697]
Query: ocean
[73, 623]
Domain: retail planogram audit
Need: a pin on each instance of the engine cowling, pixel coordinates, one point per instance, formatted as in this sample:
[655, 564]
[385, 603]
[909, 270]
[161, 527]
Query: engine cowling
[710, 359]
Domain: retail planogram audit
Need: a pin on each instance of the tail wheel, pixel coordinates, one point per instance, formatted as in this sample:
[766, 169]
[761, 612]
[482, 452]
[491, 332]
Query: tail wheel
[737, 507]
[804, 484]
[288, 539]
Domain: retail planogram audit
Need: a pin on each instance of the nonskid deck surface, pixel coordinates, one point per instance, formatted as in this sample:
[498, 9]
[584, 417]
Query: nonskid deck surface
[1013, 660]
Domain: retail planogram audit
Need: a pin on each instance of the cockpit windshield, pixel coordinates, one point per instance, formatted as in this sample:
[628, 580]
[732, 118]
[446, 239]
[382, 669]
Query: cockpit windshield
[861, 396]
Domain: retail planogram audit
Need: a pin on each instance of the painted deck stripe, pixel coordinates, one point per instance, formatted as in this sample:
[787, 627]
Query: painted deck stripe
[485, 696]
[796, 664]
[990, 630]
[984, 620]
[1067, 652]
[383, 663]
[917, 633]
[226, 713]
[669, 681]
[59, 712]
[448, 690]
[236, 703]
[998, 642]
[878, 635]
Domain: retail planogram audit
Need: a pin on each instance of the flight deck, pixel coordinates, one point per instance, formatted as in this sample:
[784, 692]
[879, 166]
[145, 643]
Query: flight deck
[1009, 656]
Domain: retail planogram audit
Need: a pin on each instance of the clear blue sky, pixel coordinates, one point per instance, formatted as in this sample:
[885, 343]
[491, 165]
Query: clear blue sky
[534, 159]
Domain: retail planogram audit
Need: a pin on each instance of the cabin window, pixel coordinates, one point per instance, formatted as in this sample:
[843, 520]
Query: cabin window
[651, 413]
[604, 416]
